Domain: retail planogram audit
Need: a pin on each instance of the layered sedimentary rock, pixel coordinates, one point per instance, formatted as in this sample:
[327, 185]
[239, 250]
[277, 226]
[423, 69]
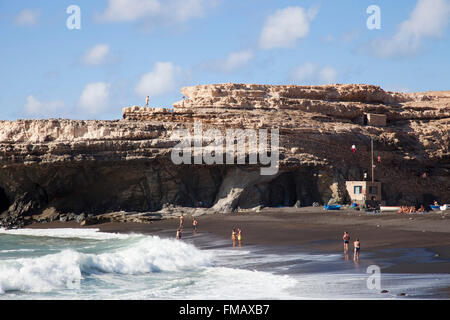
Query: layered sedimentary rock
[94, 167]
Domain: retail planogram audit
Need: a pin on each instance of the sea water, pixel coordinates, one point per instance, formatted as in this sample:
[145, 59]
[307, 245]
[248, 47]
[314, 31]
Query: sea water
[89, 264]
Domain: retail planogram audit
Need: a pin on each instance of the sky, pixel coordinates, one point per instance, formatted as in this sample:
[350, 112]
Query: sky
[84, 59]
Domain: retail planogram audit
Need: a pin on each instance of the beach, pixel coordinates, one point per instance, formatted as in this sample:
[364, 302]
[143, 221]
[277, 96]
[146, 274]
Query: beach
[315, 230]
[286, 253]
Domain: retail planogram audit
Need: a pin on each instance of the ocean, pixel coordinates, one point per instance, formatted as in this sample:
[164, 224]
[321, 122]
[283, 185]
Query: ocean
[89, 264]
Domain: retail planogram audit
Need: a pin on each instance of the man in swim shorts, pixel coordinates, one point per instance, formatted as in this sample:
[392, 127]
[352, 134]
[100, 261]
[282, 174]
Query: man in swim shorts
[357, 246]
[346, 239]
[194, 225]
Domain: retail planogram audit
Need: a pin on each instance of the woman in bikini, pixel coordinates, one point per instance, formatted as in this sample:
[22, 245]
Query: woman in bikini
[239, 237]
[181, 221]
[233, 237]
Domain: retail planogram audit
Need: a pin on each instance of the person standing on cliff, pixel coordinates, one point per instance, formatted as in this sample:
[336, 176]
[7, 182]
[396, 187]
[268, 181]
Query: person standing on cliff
[146, 101]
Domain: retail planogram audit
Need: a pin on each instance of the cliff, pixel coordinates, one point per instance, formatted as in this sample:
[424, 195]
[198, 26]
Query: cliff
[72, 167]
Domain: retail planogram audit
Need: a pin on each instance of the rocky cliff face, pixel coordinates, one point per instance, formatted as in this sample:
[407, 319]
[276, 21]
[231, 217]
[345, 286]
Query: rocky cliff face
[94, 167]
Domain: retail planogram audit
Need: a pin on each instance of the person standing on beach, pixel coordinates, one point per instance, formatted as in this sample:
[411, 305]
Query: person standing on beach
[357, 246]
[233, 237]
[346, 239]
[194, 225]
[239, 237]
[181, 221]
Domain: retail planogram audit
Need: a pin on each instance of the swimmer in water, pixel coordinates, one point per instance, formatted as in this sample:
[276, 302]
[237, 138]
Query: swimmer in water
[179, 234]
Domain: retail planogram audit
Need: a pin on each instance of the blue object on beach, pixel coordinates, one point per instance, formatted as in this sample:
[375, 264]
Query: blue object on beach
[435, 208]
[354, 204]
[332, 207]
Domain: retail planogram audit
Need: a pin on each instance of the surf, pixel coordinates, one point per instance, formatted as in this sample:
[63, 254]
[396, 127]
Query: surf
[67, 268]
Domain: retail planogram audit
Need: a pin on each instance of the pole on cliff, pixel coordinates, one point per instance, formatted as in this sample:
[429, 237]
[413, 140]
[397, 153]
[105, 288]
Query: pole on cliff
[371, 156]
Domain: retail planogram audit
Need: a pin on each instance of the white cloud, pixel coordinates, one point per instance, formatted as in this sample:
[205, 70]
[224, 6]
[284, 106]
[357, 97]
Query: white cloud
[311, 73]
[304, 72]
[183, 10]
[429, 19]
[34, 107]
[233, 61]
[96, 55]
[327, 75]
[162, 79]
[155, 11]
[237, 60]
[283, 28]
[27, 17]
[129, 10]
[95, 98]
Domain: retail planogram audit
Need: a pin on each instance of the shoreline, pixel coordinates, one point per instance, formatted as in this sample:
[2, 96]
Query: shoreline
[316, 231]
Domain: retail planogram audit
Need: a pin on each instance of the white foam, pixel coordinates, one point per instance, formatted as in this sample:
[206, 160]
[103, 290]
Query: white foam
[65, 269]
[210, 283]
[68, 233]
[150, 254]
[230, 283]
[17, 250]
[41, 274]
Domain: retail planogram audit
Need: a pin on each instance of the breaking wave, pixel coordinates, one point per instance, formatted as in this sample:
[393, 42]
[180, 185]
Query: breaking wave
[67, 268]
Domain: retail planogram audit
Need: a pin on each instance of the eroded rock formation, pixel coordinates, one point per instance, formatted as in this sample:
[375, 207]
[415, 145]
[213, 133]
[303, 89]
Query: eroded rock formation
[94, 167]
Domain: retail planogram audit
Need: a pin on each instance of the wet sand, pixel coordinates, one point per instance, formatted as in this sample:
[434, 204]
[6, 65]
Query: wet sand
[314, 230]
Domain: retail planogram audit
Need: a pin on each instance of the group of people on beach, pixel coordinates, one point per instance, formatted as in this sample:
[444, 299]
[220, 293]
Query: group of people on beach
[236, 235]
[356, 245]
[412, 209]
[180, 228]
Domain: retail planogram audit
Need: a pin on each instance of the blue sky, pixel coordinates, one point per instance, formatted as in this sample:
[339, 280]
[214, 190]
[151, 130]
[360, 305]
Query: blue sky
[127, 49]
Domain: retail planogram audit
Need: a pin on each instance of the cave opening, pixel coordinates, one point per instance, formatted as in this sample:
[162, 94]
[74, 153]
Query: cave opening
[283, 191]
[4, 201]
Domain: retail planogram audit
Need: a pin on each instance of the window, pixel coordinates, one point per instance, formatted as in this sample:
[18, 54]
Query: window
[373, 190]
[357, 189]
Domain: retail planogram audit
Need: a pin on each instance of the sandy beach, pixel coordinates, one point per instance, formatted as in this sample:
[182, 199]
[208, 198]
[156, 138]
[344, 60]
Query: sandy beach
[314, 230]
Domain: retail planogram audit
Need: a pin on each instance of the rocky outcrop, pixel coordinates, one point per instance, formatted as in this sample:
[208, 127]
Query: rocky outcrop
[96, 167]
